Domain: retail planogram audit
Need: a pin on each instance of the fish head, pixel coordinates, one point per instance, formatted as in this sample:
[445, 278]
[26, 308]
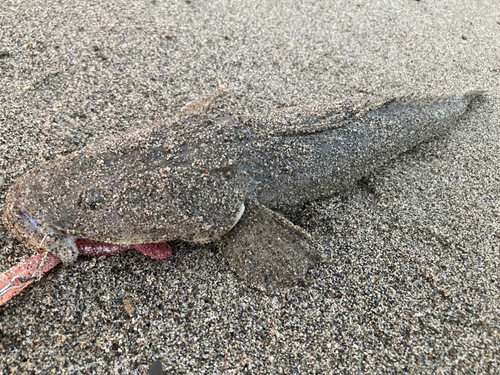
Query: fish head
[24, 220]
[127, 202]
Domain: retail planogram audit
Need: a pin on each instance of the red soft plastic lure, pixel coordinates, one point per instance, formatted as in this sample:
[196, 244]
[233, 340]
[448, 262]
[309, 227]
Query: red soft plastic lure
[20, 276]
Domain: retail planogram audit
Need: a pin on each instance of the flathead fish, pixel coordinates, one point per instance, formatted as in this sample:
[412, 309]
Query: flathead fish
[201, 178]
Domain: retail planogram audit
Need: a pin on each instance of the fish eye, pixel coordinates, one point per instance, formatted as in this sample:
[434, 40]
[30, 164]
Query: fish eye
[94, 202]
[89, 200]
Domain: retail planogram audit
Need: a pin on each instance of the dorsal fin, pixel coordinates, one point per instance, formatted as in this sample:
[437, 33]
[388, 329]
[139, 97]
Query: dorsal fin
[201, 105]
[319, 117]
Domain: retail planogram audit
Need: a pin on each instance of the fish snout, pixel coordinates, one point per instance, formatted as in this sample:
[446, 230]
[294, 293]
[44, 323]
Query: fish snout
[29, 230]
[23, 224]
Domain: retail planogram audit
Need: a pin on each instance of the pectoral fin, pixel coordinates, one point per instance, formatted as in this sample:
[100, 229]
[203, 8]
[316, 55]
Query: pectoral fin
[267, 250]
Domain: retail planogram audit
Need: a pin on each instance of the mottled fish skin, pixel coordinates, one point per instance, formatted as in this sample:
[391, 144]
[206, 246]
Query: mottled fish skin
[188, 179]
[304, 166]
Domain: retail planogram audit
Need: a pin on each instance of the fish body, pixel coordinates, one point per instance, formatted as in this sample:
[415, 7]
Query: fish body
[203, 179]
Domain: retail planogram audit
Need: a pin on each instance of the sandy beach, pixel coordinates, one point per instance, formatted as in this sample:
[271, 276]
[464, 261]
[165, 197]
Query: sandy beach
[410, 281]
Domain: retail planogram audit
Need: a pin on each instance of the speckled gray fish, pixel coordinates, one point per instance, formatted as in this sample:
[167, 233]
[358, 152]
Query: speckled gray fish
[201, 178]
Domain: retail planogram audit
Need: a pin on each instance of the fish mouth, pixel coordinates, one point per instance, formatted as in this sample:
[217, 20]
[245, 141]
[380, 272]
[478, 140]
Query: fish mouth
[20, 223]
[29, 230]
